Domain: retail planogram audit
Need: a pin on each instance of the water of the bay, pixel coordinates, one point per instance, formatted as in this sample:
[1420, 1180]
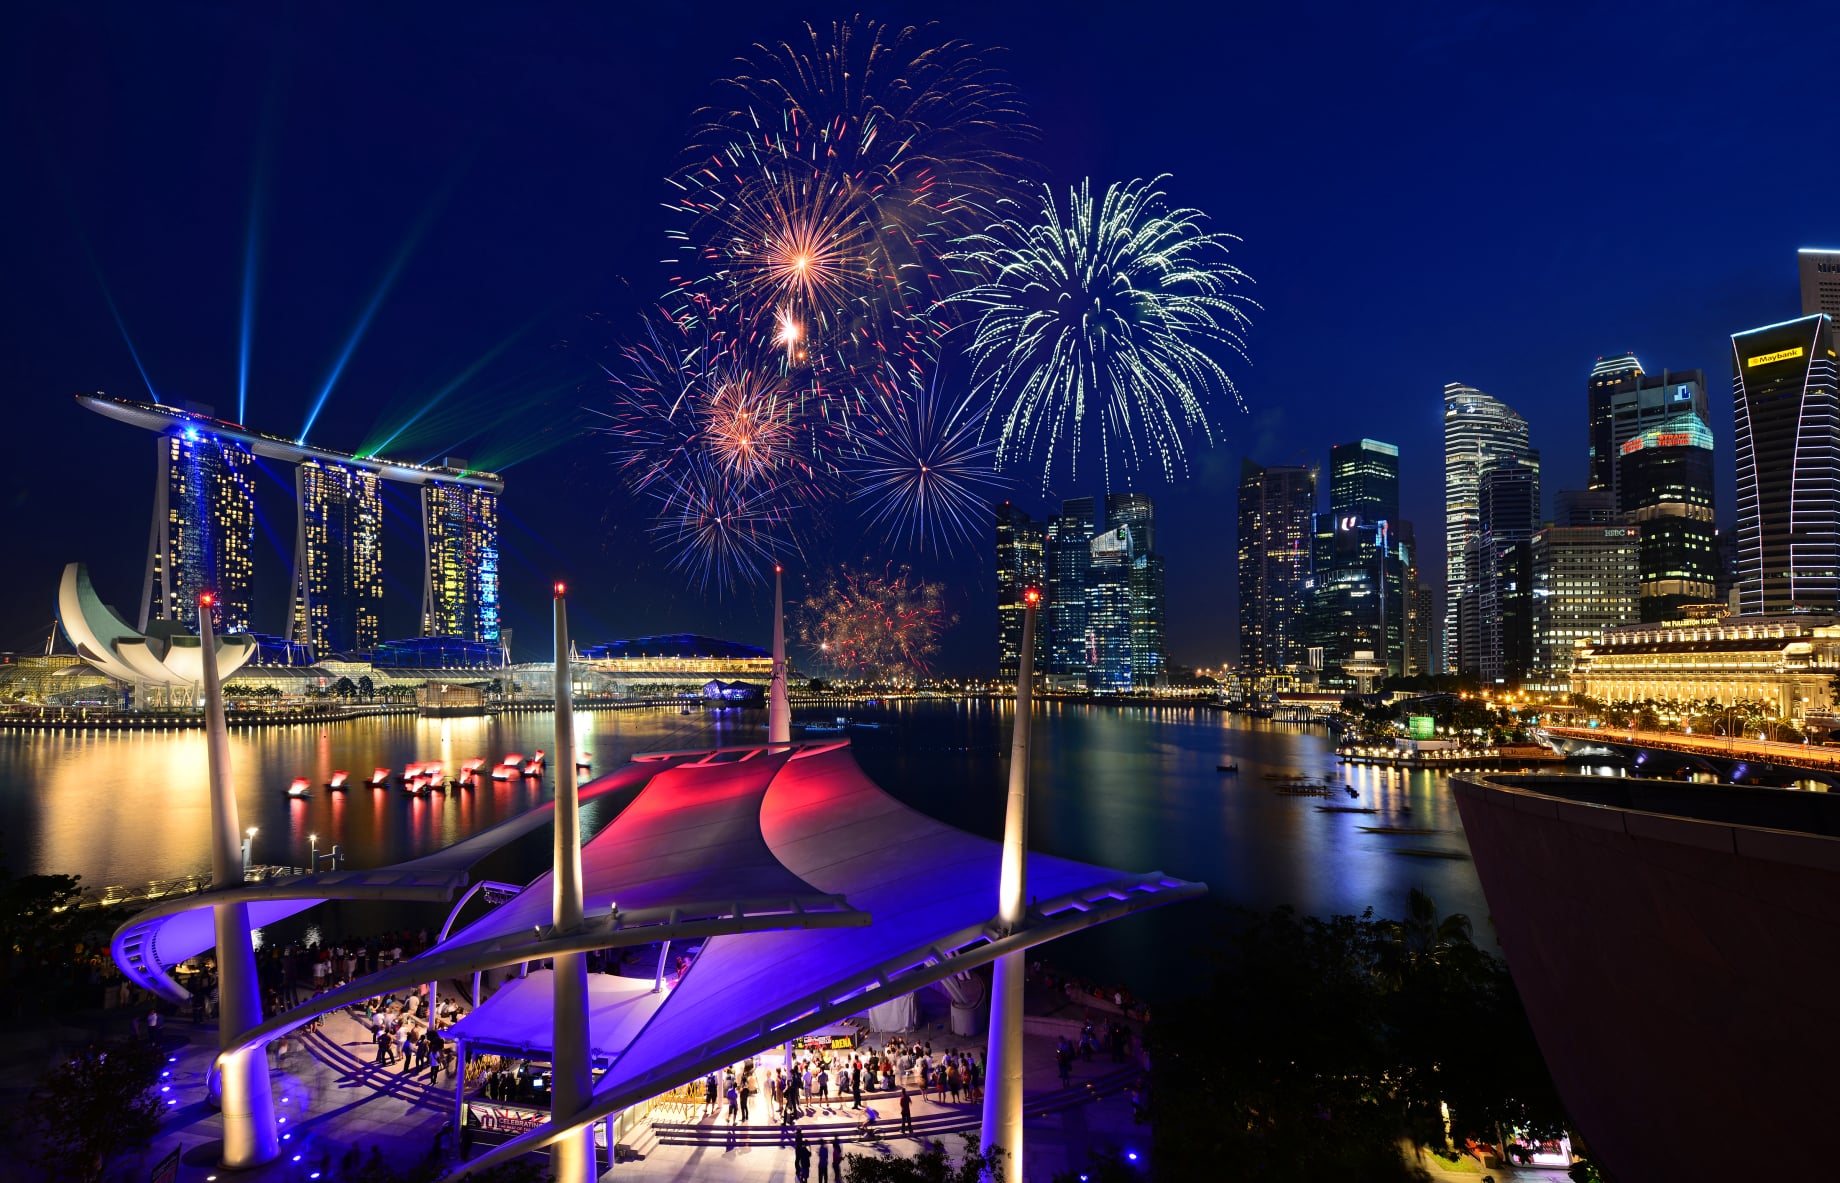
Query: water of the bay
[1131, 787]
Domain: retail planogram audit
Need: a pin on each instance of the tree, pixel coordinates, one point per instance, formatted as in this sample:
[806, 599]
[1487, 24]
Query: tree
[94, 1108]
[366, 687]
[929, 1166]
[344, 687]
[41, 933]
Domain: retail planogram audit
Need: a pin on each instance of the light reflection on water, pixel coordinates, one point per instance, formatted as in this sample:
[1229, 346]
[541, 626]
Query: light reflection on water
[1132, 787]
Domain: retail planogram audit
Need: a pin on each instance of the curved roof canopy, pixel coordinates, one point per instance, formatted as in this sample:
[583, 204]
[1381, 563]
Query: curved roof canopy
[816, 896]
[122, 652]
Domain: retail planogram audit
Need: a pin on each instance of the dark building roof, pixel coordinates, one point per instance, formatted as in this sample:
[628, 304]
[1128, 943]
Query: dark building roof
[673, 645]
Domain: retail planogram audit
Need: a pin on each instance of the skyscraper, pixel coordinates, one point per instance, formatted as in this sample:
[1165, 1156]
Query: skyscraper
[1364, 481]
[1069, 565]
[1360, 568]
[338, 557]
[1276, 507]
[1479, 432]
[1820, 275]
[204, 531]
[1020, 566]
[1108, 612]
[1496, 617]
[1610, 377]
[1665, 482]
[460, 534]
[1786, 421]
[1584, 581]
[1136, 512]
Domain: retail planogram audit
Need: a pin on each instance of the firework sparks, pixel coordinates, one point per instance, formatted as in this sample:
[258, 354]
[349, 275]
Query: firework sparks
[875, 624]
[747, 426]
[721, 530]
[924, 473]
[832, 174]
[1100, 321]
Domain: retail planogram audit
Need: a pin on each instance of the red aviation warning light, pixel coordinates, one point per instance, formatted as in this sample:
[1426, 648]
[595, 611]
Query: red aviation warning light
[1032, 597]
[206, 599]
[561, 588]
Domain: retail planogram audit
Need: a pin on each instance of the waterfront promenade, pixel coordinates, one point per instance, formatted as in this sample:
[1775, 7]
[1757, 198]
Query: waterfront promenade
[1784, 755]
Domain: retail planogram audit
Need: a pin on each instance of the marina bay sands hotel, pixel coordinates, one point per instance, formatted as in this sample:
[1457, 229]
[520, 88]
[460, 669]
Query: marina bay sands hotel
[204, 522]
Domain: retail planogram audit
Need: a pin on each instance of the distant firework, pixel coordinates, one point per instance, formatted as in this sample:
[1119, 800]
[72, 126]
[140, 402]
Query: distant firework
[827, 182]
[874, 624]
[922, 473]
[747, 424]
[1101, 319]
[719, 529]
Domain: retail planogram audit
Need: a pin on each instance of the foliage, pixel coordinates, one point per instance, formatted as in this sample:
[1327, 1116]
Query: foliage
[94, 1108]
[42, 940]
[1323, 1044]
[930, 1165]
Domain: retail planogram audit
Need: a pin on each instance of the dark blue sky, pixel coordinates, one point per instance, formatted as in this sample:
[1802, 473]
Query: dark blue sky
[1494, 194]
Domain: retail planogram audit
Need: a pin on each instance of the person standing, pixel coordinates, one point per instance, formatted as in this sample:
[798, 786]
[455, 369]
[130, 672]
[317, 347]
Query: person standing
[907, 1113]
[801, 1157]
[790, 1113]
[824, 1163]
[709, 1095]
[734, 1097]
[434, 1054]
[855, 1071]
[824, 1085]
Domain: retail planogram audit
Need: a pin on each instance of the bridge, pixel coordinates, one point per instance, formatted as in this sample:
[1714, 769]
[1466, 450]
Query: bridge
[1732, 758]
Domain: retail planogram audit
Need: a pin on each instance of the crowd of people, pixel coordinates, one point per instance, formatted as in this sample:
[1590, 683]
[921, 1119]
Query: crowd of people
[1083, 992]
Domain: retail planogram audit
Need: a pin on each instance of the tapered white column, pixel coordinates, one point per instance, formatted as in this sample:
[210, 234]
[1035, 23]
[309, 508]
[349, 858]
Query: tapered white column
[245, 1096]
[779, 707]
[571, 1159]
[1003, 1082]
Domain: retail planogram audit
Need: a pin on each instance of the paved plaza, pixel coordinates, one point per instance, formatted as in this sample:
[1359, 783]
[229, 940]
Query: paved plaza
[334, 1098]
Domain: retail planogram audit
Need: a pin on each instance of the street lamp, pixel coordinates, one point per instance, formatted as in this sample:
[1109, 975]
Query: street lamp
[249, 841]
[312, 853]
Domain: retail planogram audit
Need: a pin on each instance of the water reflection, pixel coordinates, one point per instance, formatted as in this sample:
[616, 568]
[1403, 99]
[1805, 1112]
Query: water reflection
[1134, 787]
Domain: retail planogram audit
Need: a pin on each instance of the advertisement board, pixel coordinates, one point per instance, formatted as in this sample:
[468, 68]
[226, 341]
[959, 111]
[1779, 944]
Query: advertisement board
[1421, 727]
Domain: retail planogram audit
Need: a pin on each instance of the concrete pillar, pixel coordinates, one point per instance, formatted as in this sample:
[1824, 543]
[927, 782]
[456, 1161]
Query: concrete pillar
[571, 1159]
[1003, 1085]
[245, 1096]
[779, 706]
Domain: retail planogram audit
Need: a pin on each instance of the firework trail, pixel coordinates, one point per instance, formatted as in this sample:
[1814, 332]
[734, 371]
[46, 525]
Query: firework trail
[923, 473]
[1100, 320]
[721, 530]
[875, 624]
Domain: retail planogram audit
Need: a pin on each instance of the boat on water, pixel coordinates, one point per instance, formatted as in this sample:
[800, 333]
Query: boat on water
[380, 778]
[1417, 831]
[1302, 790]
[298, 788]
[337, 783]
[1415, 852]
[1231, 768]
[834, 728]
[1346, 809]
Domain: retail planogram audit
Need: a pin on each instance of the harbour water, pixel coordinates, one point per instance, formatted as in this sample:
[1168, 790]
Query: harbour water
[1133, 787]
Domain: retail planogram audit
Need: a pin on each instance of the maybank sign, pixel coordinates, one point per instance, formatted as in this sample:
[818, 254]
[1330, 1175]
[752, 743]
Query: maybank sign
[1764, 359]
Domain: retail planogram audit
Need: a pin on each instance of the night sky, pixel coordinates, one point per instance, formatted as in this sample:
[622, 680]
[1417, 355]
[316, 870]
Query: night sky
[1493, 194]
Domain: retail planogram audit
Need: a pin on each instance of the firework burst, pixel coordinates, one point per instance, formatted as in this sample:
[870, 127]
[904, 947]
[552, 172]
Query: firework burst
[923, 473]
[874, 624]
[747, 425]
[721, 530]
[862, 146]
[1099, 321]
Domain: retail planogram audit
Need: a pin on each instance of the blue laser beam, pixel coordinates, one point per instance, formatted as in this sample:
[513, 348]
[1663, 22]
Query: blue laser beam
[249, 309]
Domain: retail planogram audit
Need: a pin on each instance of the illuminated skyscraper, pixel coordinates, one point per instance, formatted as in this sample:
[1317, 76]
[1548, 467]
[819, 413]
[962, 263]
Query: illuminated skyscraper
[1786, 426]
[1479, 433]
[1276, 506]
[204, 531]
[1149, 660]
[1610, 377]
[1108, 611]
[460, 537]
[1820, 274]
[338, 557]
[1069, 565]
[1364, 481]
[1020, 566]
[1666, 482]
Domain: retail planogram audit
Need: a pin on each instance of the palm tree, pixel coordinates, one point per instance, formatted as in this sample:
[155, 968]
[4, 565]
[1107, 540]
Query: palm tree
[1423, 938]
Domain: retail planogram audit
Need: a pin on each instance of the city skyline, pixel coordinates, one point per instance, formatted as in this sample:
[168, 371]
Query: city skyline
[1696, 272]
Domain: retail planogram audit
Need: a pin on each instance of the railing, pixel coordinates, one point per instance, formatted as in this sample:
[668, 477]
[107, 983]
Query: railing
[158, 889]
[1788, 755]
